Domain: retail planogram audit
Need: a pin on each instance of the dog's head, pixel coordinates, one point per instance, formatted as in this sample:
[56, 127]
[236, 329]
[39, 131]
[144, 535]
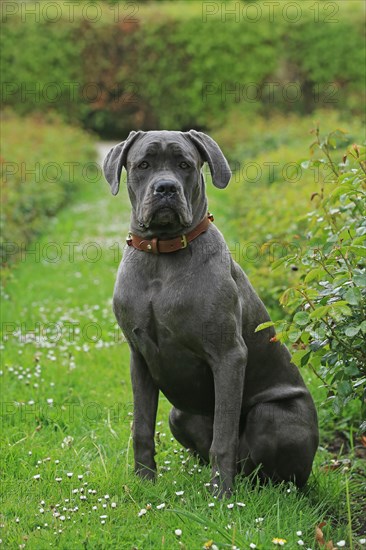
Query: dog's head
[164, 178]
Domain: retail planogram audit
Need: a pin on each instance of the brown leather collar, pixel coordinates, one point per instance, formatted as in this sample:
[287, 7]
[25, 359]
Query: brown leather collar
[160, 246]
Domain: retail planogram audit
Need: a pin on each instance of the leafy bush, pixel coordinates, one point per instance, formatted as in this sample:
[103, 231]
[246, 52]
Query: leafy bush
[269, 192]
[43, 163]
[39, 60]
[164, 67]
[327, 330]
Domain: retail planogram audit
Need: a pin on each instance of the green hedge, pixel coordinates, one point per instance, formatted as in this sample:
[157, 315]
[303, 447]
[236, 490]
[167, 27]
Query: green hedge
[39, 173]
[165, 66]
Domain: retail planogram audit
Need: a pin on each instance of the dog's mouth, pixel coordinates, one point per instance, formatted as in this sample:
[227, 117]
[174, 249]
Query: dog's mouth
[165, 215]
[172, 215]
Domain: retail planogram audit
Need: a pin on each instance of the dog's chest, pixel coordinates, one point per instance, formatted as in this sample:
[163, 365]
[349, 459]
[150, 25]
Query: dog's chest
[169, 300]
[159, 314]
[155, 292]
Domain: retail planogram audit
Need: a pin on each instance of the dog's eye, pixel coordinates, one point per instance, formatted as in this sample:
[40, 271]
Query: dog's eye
[143, 165]
[184, 165]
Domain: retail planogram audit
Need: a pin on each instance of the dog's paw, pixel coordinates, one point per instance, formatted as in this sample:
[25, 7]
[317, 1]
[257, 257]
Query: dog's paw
[220, 490]
[146, 473]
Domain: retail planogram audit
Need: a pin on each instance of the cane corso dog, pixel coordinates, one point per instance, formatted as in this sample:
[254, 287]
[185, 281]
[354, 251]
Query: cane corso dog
[189, 314]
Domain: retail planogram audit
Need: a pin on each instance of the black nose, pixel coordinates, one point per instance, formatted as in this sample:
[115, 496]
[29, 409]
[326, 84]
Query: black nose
[165, 188]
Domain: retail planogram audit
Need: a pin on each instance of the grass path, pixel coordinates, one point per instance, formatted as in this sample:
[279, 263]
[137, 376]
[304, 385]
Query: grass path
[67, 478]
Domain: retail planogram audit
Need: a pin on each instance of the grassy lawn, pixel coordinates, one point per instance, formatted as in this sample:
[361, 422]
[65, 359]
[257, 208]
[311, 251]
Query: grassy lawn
[67, 478]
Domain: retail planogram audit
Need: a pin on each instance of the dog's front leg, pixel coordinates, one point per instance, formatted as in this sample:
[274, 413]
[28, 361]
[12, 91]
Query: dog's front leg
[145, 398]
[229, 382]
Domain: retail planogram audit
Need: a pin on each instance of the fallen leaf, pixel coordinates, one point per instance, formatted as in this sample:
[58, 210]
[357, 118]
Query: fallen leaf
[319, 537]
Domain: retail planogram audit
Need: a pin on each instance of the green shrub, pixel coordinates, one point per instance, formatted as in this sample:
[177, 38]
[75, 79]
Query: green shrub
[327, 306]
[169, 67]
[43, 163]
[269, 192]
[39, 60]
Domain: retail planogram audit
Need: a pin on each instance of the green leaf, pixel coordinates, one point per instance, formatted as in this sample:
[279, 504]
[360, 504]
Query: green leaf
[305, 359]
[352, 331]
[315, 345]
[301, 318]
[352, 370]
[316, 273]
[359, 240]
[353, 296]
[298, 355]
[341, 307]
[339, 304]
[318, 162]
[277, 263]
[360, 251]
[360, 280]
[363, 326]
[294, 335]
[340, 190]
[319, 312]
[262, 326]
[332, 142]
[289, 293]
[344, 388]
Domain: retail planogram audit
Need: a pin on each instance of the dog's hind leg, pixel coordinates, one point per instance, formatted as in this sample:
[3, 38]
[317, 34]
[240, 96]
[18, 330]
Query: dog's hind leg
[281, 437]
[193, 431]
[245, 464]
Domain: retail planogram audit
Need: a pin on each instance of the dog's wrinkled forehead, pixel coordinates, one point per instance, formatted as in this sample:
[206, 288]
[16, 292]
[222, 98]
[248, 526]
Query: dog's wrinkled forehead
[162, 144]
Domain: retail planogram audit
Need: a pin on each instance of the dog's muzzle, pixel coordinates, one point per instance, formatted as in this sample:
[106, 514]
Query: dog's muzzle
[165, 204]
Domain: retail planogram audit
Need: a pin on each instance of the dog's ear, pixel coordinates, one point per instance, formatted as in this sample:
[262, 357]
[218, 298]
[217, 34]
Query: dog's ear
[116, 159]
[212, 154]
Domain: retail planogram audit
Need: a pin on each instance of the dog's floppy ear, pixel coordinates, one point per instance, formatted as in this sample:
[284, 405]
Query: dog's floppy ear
[211, 153]
[115, 160]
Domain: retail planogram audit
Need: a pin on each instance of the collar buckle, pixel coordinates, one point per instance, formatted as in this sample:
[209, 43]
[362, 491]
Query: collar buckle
[183, 241]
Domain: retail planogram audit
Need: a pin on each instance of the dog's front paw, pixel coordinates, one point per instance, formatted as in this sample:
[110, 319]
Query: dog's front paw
[220, 489]
[146, 473]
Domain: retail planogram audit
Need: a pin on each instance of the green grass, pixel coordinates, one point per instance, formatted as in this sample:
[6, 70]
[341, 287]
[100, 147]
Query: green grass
[67, 408]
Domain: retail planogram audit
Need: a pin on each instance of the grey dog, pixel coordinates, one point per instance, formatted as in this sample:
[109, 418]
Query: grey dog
[189, 314]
